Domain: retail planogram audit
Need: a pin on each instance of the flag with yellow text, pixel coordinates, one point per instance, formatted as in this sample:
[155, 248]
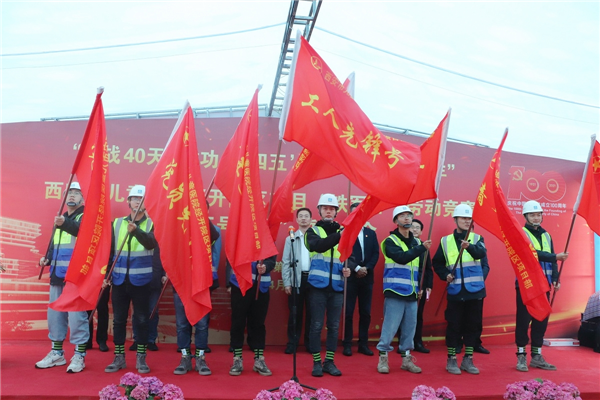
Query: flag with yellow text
[588, 200]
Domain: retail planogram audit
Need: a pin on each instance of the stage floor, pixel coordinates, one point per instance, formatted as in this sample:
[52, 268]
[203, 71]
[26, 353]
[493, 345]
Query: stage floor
[360, 380]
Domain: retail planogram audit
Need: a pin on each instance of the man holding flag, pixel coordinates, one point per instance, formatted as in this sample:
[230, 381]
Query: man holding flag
[58, 257]
[542, 242]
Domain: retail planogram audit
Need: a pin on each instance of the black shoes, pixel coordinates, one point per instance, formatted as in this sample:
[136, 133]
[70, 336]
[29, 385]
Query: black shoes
[152, 347]
[289, 349]
[364, 349]
[331, 369]
[103, 347]
[347, 351]
[481, 349]
[420, 348]
[317, 369]
[133, 347]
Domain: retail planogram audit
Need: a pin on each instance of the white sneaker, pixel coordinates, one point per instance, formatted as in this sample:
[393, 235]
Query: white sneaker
[53, 359]
[77, 363]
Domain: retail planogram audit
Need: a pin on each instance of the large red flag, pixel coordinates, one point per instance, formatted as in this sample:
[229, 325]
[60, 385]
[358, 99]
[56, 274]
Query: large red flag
[88, 263]
[176, 203]
[433, 152]
[588, 200]
[247, 237]
[491, 213]
[320, 114]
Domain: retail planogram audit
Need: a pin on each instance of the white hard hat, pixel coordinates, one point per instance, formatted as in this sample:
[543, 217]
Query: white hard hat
[328, 199]
[462, 210]
[75, 185]
[400, 210]
[532, 206]
[137, 191]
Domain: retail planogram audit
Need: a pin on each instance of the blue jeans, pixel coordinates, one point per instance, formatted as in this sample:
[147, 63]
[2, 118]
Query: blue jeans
[58, 322]
[184, 328]
[398, 312]
[322, 301]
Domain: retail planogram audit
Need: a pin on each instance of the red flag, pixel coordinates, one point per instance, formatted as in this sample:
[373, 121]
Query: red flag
[88, 263]
[247, 238]
[320, 114]
[176, 203]
[588, 200]
[433, 152]
[492, 213]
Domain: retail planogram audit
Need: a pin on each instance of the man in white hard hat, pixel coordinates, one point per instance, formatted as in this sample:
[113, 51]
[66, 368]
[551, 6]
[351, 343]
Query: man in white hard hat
[542, 242]
[326, 280]
[131, 279]
[466, 288]
[404, 258]
[58, 257]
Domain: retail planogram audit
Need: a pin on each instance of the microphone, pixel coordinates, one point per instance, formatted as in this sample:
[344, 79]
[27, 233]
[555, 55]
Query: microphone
[291, 232]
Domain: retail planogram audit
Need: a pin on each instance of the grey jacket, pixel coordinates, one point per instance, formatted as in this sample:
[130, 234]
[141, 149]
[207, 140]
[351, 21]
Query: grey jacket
[286, 269]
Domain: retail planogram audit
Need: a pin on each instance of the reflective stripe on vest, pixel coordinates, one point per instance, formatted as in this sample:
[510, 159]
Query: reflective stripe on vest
[400, 279]
[468, 272]
[545, 246]
[64, 243]
[325, 266]
[265, 279]
[140, 258]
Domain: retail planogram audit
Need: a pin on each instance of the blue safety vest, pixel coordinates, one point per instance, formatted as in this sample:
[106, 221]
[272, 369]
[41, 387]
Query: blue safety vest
[140, 258]
[545, 246]
[64, 243]
[398, 278]
[322, 266]
[468, 271]
[265, 279]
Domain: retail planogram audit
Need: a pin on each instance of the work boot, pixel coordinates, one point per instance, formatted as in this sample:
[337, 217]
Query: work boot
[317, 369]
[184, 366]
[331, 369]
[52, 359]
[237, 367]
[452, 366]
[383, 366]
[408, 365]
[261, 367]
[522, 363]
[202, 367]
[117, 364]
[140, 363]
[77, 363]
[537, 361]
[467, 365]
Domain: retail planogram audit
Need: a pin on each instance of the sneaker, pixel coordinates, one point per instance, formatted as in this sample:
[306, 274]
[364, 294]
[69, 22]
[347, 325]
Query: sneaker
[331, 369]
[237, 367]
[317, 369]
[383, 366]
[537, 361]
[184, 366]
[409, 365]
[117, 364]
[140, 363]
[261, 367]
[202, 367]
[522, 363]
[452, 366]
[468, 366]
[152, 346]
[52, 359]
[77, 363]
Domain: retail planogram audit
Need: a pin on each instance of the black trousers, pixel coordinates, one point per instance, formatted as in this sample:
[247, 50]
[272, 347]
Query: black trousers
[122, 296]
[361, 289]
[301, 307]
[102, 315]
[464, 319]
[251, 313]
[538, 328]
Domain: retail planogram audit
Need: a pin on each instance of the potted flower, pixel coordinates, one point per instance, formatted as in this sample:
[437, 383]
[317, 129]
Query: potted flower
[138, 388]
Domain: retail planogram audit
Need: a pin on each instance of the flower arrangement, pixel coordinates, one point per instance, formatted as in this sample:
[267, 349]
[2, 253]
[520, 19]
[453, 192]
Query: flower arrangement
[541, 389]
[138, 388]
[292, 390]
[424, 392]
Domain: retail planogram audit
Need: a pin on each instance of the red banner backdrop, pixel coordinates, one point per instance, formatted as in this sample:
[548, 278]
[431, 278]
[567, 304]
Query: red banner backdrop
[36, 160]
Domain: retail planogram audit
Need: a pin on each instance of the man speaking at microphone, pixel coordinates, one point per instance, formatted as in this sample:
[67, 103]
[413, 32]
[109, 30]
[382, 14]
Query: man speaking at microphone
[301, 257]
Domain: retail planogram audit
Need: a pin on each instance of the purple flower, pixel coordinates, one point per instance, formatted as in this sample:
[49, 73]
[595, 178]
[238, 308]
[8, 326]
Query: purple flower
[324, 394]
[171, 392]
[139, 393]
[152, 383]
[570, 390]
[445, 393]
[263, 395]
[130, 379]
[123, 398]
[110, 392]
[423, 392]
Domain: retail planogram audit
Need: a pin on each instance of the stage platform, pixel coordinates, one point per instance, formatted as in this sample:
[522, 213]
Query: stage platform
[21, 380]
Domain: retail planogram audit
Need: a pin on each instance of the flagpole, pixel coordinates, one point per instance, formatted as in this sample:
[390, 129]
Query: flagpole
[109, 274]
[159, 297]
[346, 279]
[212, 182]
[62, 205]
[563, 261]
[428, 238]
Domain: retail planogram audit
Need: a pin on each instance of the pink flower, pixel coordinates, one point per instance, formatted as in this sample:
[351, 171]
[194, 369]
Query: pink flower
[423, 392]
[110, 392]
[130, 379]
[171, 392]
[152, 383]
[445, 393]
[324, 394]
[263, 395]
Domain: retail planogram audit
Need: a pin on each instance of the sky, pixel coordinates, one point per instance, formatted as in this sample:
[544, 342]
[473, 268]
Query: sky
[474, 53]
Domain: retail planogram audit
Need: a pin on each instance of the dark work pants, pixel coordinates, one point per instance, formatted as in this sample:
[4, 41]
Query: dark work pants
[361, 289]
[248, 312]
[301, 307]
[102, 315]
[463, 318]
[538, 328]
[419, 330]
[122, 296]
[324, 301]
